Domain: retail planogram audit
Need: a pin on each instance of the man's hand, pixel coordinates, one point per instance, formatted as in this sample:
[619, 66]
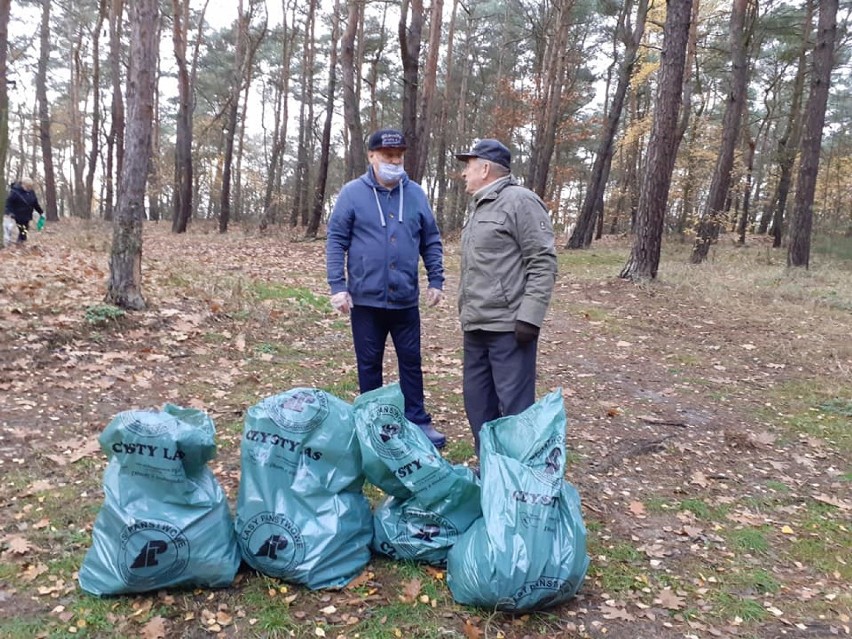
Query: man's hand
[341, 302]
[525, 332]
[434, 296]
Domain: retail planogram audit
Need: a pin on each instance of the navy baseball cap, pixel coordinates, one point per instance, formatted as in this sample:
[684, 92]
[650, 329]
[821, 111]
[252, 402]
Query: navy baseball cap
[387, 139]
[488, 149]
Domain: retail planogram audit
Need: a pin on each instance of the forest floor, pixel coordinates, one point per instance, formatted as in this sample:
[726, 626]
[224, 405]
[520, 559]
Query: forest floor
[709, 429]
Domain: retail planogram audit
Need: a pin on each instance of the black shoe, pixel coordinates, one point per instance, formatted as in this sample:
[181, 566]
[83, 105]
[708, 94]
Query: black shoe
[437, 439]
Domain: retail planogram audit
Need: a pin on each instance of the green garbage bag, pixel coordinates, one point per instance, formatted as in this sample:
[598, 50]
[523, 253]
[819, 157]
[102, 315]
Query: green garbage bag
[165, 520]
[41, 220]
[431, 501]
[528, 552]
[301, 512]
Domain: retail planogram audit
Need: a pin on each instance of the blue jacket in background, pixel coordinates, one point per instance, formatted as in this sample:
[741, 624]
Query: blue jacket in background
[382, 247]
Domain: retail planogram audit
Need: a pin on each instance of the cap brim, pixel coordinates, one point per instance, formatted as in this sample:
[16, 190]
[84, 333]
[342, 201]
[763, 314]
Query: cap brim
[464, 157]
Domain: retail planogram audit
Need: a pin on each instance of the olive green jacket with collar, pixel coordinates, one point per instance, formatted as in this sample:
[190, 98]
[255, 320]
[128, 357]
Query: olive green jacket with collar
[508, 264]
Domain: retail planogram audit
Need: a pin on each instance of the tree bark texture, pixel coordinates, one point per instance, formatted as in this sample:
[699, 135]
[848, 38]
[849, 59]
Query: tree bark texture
[182, 198]
[325, 144]
[582, 235]
[645, 254]
[788, 145]
[799, 250]
[125, 280]
[410, 39]
[708, 226]
[49, 184]
[356, 158]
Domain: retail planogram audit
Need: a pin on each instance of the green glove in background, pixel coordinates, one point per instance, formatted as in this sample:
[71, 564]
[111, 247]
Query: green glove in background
[40, 223]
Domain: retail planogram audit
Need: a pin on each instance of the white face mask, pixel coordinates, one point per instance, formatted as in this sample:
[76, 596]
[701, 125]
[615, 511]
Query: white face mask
[390, 172]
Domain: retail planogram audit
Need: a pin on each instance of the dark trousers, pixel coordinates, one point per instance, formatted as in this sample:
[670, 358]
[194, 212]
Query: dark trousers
[499, 377]
[23, 230]
[370, 329]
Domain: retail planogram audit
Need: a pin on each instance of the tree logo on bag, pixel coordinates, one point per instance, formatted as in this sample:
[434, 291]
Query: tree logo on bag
[427, 531]
[385, 428]
[546, 463]
[298, 411]
[553, 465]
[145, 424]
[273, 544]
[153, 554]
[389, 431]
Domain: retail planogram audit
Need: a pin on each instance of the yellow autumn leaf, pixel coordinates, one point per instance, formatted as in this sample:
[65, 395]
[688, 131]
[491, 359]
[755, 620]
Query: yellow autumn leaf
[787, 530]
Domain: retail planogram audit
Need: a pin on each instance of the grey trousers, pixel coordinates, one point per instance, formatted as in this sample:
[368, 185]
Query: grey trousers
[499, 377]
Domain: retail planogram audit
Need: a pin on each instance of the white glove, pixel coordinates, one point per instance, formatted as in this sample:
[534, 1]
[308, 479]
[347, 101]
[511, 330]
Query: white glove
[434, 296]
[341, 302]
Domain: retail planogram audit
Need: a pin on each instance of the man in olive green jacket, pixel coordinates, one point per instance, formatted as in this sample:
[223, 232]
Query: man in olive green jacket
[508, 270]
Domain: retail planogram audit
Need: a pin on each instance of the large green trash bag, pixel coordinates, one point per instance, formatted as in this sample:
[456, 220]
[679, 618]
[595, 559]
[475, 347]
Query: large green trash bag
[165, 520]
[301, 512]
[528, 552]
[431, 502]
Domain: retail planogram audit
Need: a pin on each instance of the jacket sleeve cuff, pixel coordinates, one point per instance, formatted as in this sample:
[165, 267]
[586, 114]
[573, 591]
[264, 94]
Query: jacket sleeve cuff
[532, 312]
[338, 288]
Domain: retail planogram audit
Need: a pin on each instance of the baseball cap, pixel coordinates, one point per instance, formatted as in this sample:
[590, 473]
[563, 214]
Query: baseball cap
[387, 139]
[488, 149]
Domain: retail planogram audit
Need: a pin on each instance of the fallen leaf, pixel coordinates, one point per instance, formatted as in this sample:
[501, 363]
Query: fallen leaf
[410, 590]
[360, 580]
[154, 629]
[32, 571]
[787, 530]
[19, 545]
[668, 599]
[833, 501]
[470, 631]
[699, 478]
[637, 508]
[616, 613]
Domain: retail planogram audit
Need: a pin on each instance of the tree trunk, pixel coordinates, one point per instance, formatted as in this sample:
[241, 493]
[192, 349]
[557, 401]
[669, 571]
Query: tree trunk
[231, 121]
[708, 227]
[410, 38]
[799, 251]
[80, 207]
[325, 148]
[645, 253]
[279, 141]
[547, 116]
[94, 147]
[182, 193]
[582, 235]
[427, 95]
[125, 280]
[443, 117]
[356, 158]
[115, 139]
[5, 8]
[49, 185]
[788, 145]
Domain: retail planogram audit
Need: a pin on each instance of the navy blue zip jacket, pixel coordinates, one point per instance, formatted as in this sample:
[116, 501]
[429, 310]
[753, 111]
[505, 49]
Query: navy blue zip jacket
[20, 203]
[382, 243]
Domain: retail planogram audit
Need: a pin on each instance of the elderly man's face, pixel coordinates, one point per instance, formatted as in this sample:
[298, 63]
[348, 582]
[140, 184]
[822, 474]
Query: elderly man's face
[475, 174]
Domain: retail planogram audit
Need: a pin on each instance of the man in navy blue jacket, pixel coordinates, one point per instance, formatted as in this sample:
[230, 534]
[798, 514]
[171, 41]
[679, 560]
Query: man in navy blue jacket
[380, 228]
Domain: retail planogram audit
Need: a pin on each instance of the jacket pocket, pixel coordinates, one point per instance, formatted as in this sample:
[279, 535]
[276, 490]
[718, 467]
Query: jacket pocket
[491, 232]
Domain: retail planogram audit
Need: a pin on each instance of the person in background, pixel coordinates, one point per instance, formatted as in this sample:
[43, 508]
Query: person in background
[508, 270]
[20, 204]
[380, 228]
